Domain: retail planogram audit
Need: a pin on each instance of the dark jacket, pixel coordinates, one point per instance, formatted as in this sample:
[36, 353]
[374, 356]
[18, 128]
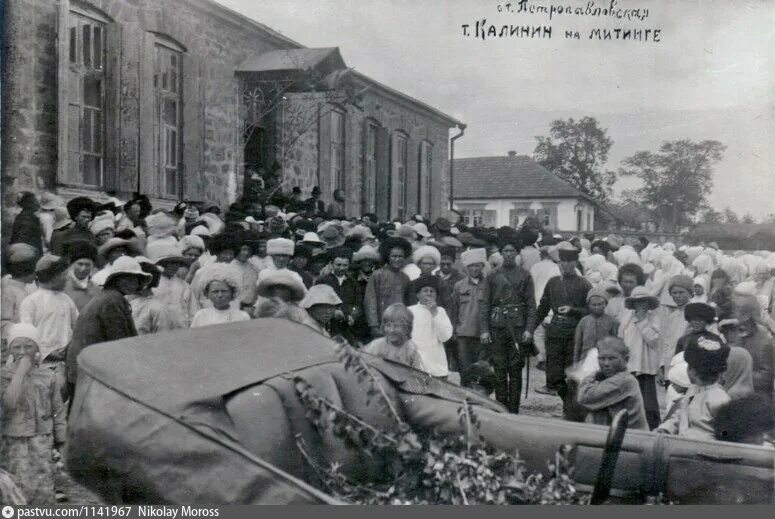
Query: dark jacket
[570, 290]
[107, 317]
[348, 292]
[509, 287]
[27, 229]
[60, 237]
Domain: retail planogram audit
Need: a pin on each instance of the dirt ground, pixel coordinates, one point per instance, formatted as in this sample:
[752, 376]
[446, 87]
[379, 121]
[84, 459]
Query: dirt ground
[534, 404]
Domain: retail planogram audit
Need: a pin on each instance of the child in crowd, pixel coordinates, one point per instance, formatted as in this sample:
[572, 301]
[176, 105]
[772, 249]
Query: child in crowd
[701, 286]
[33, 416]
[748, 419]
[639, 329]
[221, 285]
[396, 343]
[594, 326]
[431, 326]
[701, 317]
[612, 388]
[706, 357]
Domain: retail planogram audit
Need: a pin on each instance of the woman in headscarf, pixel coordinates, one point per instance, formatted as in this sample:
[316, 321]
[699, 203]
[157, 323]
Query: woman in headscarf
[737, 380]
[701, 289]
[669, 267]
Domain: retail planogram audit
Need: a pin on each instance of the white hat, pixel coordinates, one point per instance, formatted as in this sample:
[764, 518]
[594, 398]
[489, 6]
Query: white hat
[320, 295]
[279, 246]
[282, 277]
[191, 242]
[678, 372]
[360, 231]
[161, 224]
[126, 265]
[101, 223]
[224, 272]
[422, 230]
[312, 237]
[425, 251]
[472, 256]
[200, 230]
[22, 330]
[366, 253]
[163, 249]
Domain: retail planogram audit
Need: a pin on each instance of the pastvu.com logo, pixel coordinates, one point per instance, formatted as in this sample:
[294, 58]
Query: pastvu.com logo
[8, 512]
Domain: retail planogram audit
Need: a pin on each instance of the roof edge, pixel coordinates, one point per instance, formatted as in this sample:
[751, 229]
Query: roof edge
[235, 17]
[407, 98]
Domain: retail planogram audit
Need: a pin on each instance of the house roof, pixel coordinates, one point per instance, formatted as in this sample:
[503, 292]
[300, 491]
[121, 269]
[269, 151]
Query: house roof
[292, 59]
[516, 176]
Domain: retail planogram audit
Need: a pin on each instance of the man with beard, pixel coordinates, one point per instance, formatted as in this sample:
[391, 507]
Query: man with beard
[566, 296]
[508, 317]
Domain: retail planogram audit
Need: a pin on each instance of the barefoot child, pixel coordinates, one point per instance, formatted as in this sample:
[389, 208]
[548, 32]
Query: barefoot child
[33, 416]
[612, 388]
[396, 343]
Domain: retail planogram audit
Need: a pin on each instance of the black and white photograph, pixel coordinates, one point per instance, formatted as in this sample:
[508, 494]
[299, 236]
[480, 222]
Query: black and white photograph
[386, 252]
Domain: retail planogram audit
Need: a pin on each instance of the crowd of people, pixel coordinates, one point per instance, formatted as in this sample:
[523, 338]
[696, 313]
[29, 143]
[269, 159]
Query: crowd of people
[611, 323]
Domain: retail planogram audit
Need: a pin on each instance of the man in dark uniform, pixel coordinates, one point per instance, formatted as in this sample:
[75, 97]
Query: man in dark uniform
[508, 316]
[566, 296]
[81, 211]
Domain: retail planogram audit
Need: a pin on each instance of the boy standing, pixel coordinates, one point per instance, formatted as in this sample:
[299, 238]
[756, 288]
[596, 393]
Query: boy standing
[612, 388]
[466, 300]
[595, 326]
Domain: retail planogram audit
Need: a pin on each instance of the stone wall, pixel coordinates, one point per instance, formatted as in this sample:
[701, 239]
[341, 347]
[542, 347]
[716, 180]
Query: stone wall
[302, 162]
[215, 43]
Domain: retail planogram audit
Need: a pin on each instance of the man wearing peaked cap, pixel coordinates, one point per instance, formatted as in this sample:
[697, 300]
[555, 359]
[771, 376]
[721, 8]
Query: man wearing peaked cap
[566, 297]
[79, 286]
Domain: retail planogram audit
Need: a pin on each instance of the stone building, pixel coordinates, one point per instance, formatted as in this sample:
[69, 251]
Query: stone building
[505, 190]
[155, 97]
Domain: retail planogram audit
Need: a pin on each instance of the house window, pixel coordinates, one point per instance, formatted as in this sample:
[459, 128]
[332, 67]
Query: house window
[337, 149]
[85, 100]
[546, 216]
[590, 226]
[424, 179]
[399, 170]
[473, 217]
[370, 167]
[168, 134]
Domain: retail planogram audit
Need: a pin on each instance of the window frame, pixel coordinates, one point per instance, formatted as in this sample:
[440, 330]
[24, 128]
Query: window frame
[79, 69]
[425, 178]
[163, 146]
[400, 171]
[370, 165]
[338, 148]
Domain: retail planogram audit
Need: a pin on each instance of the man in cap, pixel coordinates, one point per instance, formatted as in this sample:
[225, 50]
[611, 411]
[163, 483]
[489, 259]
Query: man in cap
[508, 316]
[81, 212]
[386, 285]
[466, 302]
[79, 286]
[107, 317]
[49, 309]
[281, 251]
[566, 297]
[20, 260]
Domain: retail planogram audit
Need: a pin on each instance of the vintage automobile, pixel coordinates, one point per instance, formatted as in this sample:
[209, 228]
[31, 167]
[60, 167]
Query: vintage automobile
[210, 415]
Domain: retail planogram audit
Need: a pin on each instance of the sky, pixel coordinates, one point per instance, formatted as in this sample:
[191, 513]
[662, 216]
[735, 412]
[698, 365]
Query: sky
[711, 75]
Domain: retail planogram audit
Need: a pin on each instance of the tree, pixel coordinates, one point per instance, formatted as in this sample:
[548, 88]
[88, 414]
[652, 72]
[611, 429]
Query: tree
[676, 180]
[577, 151]
[730, 216]
[748, 218]
[712, 216]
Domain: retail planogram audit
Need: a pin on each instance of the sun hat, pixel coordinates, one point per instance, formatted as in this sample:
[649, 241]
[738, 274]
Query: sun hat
[50, 201]
[283, 277]
[361, 232]
[102, 223]
[49, 266]
[366, 252]
[332, 236]
[164, 249]
[132, 245]
[422, 230]
[161, 224]
[312, 238]
[320, 295]
[641, 293]
[224, 272]
[442, 224]
[451, 241]
[427, 251]
[280, 246]
[200, 230]
[21, 252]
[473, 256]
[127, 266]
[407, 232]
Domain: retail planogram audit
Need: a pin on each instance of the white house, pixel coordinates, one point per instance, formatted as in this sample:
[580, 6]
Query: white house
[504, 190]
